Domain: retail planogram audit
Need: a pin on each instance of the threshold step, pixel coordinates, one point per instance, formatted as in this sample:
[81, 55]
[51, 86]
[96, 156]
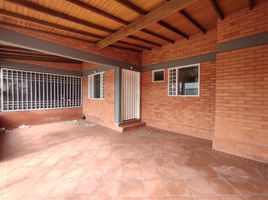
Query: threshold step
[130, 125]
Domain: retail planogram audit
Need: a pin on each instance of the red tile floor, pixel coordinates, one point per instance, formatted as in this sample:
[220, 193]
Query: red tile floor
[66, 161]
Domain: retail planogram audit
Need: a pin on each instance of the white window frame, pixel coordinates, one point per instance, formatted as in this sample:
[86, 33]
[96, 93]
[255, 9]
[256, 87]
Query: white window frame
[30, 103]
[177, 73]
[91, 86]
[158, 70]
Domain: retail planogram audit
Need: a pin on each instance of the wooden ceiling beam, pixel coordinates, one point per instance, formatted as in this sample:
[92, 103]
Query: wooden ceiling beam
[60, 27]
[217, 9]
[144, 40]
[140, 11]
[23, 28]
[134, 45]
[167, 9]
[33, 54]
[9, 48]
[157, 35]
[115, 18]
[126, 48]
[51, 33]
[132, 7]
[173, 29]
[47, 24]
[251, 4]
[37, 59]
[98, 11]
[13, 52]
[54, 13]
[193, 21]
[63, 16]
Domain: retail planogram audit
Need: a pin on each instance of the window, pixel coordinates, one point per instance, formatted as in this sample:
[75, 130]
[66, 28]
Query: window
[25, 90]
[184, 81]
[158, 75]
[96, 86]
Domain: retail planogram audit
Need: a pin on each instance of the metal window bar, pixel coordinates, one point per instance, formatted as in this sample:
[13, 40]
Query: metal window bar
[26, 90]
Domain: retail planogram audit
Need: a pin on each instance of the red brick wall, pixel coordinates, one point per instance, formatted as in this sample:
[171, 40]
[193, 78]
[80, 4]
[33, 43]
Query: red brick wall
[244, 23]
[15, 119]
[198, 44]
[100, 111]
[241, 124]
[189, 115]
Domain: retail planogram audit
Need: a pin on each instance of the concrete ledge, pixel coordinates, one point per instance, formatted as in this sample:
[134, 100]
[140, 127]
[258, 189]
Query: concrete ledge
[245, 42]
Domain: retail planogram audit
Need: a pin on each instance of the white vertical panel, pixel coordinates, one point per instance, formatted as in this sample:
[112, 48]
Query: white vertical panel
[26, 95]
[73, 85]
[58, 91]
[2, 90]
[130, 94]
[75, 91]
[7, 78]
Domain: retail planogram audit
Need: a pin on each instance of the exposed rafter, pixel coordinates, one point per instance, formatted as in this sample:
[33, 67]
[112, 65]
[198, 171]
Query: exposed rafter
[157, 35]
[193, 21]
[134, 45]
[97, 11]
[8, 25]
[11, 51]
[115, 18]
[132, 7]
[167, 9]
[140, 11]
[126, 48]
[173, 29]
[144, 40]
[47, 24]
[23, 28]
[19, 52]
[64, 16]
[217, 9]
[251, 4]
[54, 13]
[16, 57]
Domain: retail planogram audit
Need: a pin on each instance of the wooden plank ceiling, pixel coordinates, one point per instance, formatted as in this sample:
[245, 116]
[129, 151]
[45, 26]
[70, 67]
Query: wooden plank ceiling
[93, 20]
[16, 53]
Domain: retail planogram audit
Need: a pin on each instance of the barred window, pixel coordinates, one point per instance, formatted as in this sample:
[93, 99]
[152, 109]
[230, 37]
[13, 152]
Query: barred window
[158, 75]
[26, 90]
[96, 86]
[184, 81]
[172, 82]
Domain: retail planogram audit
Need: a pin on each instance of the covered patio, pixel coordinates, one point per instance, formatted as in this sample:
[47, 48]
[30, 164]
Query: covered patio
[134, 99]
[72, 161]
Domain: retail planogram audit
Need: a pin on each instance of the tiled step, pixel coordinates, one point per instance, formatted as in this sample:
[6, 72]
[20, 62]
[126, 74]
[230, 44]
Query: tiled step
[131, 124]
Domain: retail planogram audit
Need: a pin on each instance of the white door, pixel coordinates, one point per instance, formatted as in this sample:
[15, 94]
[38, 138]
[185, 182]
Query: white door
[130, 95]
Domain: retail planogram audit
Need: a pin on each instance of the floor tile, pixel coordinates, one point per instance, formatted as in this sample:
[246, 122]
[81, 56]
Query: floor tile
[131, 173]
[72, 162]
[63, 188]
[110, 188]
[113, 173]
[155, 187]
[176, 187]
[131, 188]
[220, 186]
[199, 186]
[88, 187]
